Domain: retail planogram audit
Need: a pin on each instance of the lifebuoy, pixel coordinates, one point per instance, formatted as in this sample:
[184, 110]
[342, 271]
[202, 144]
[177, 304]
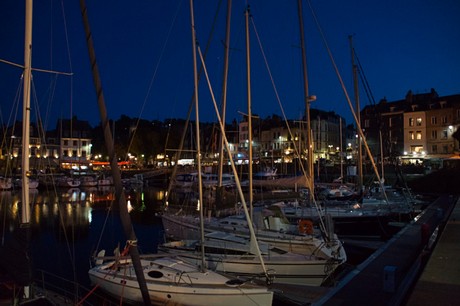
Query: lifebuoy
[306, 227]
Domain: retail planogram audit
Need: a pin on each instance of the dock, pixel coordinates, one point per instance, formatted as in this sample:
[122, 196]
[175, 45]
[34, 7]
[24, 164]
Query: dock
[419, 261]
[439, 283]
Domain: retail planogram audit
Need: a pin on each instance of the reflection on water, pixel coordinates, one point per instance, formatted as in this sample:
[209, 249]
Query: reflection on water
[68, 226]
[73, 207]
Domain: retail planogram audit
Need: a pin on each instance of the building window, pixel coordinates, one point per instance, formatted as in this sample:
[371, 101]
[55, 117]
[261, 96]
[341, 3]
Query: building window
[444, 119]
[83, 153]
[433, 120]
[74, 153]
[434, 149]
[390, 122]
[66, 153]
[83, 143]
[411, 121]
[445, 149]
[434, 134]
[66, 142]
[419, 135]
[74, 143]
[366, 123]
[419, 121]
[411, 135]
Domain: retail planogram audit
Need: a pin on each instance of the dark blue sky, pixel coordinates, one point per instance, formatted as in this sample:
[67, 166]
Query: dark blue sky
[145, 57]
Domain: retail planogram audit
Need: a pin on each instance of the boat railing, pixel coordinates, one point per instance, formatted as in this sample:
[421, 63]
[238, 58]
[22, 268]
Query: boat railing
[67, 292]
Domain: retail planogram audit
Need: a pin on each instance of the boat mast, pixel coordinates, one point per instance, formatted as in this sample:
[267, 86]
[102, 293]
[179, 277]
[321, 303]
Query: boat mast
[25, 216]
[248, 76]
[197, 129]
[341, 151]
[308, 99]
[224, 98]
[358, 117]
[119, 193]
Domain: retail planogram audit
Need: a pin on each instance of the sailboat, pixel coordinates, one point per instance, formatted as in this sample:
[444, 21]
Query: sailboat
[269, 226]
[162, 279]
[14, 255]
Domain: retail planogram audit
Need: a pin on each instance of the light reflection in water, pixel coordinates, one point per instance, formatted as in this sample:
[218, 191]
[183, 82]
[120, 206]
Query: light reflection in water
[74, 207]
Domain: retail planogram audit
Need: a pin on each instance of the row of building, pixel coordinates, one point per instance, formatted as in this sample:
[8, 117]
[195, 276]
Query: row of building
[415, 128]
[418, 127]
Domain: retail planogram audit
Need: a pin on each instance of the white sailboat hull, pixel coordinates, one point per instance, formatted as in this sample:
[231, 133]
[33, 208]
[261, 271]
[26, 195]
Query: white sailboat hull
[187, 227]
[171, 281]
[293, 269]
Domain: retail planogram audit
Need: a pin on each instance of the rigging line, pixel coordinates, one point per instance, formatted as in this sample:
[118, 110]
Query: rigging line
[364, 79]
[342, 84]
[35, 69]
[278, 98]
[237, 180]
[163, 49]
[191, 105]
[10, 118]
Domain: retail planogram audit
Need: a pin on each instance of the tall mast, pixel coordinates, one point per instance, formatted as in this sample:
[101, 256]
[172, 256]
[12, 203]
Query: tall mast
[358, 117]
[308, 99]
[341, 150]
[248, 76]
[25, 216]
[197, 129]
[224, 95]
[119, 193]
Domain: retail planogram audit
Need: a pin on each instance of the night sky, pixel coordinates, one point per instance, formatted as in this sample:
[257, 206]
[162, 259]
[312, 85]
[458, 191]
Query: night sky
[144, 53]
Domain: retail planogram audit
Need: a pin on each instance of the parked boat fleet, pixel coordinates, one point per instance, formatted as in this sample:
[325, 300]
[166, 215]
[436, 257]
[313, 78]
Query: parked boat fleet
[69, 181]
[300, 244]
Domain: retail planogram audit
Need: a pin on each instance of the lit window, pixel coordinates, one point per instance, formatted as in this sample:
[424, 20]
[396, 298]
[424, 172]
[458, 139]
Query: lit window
[411, 135]
[419, 135]
[419, 121]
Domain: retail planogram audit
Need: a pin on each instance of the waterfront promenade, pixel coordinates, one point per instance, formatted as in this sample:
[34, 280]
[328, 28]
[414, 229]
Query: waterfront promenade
[389, 275]
[439, 283]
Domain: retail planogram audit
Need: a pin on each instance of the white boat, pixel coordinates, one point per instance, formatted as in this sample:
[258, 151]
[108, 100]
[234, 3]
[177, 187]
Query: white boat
[67, 182]
[166, 280]
[211, 180]
[270, 225]
[104, 181]
[5, 183]
[88, 181]
[33, 183]
[186, 180]
[227, 253]
[172, 281]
